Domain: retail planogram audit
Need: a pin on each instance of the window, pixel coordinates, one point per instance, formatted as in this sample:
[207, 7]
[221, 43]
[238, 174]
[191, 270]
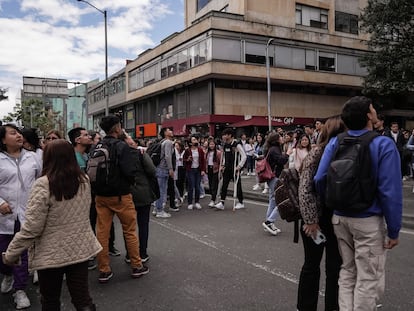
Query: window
[255, 53]
[290, 57]
[226, 49]
[182, 61]
[172, 65]
[310, 60]
[326, 61]
[164, 69]
[345, 22]
[311, 16]
[201, 4]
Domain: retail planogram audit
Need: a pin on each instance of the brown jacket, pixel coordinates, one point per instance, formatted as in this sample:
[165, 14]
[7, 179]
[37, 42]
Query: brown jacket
[57, 233]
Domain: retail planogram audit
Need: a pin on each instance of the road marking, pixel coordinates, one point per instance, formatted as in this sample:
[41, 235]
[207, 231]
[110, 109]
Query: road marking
[411, 232]
[284, 275]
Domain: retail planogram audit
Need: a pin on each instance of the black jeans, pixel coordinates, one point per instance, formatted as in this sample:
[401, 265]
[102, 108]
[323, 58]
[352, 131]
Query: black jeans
[180, 180]
[227, 176]
[308, 290]
[50, 285]
[212, 182]
[171, 191]
[143, 218]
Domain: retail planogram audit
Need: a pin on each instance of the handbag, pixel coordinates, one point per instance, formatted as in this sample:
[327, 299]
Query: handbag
[264, 171]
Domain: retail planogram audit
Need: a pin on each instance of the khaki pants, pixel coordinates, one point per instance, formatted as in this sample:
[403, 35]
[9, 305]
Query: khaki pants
[123, 207]
[362, 278]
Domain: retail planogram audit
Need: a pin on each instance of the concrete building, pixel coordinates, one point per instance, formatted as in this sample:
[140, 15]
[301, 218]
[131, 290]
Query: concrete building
[213, 73]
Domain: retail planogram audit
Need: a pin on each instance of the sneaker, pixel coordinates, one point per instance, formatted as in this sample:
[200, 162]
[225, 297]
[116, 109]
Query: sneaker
[211, 204]
[202, 196]
[145, 258]
[154, 211]
[179, 202]
[265, 191]
[190, 206]
[256, 187]
[127, 259]
[138, 272]
[219, 206]
[36, 276]
[21, 300]
[197, 206]
[114, 252]
[104, 277]
[7, 284]
[174, 209]
[271, 228]
[91, 264]
[239, 206]
[163, 214]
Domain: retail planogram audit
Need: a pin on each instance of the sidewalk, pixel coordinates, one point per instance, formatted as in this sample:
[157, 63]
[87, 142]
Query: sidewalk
[408, 197]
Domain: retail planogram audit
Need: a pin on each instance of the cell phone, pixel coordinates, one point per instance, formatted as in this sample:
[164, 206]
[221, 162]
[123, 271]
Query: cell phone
[319, 238]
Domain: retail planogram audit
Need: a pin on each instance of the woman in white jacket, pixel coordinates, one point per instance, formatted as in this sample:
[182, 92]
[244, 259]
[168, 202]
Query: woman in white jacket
[18, 170]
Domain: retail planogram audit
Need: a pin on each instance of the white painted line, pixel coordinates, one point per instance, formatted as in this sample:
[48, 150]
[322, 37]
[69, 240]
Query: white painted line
[284, 275]
[407, 231]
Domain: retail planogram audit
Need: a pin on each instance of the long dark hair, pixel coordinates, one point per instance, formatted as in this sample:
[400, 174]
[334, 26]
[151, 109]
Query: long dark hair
[332, 127]
[30, 134]
[62, 170]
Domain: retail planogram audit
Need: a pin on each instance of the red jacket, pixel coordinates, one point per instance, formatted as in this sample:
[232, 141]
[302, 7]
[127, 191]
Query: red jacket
[201, 159]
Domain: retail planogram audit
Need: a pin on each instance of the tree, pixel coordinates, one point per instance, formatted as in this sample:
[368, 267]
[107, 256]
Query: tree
[390, 61]
[3, 92]
[33, 113]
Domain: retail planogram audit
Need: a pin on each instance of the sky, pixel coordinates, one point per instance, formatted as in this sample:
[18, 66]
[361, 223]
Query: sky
[65, 38]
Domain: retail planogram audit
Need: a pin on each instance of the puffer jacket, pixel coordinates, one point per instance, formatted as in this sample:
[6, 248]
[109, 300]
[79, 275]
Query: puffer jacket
[15, 187]
[57, 233]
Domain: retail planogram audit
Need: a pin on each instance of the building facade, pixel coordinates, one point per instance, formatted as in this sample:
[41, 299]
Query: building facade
[213, 73]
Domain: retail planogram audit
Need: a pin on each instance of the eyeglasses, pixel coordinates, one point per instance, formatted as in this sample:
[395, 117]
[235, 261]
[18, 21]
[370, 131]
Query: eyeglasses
[51, 138]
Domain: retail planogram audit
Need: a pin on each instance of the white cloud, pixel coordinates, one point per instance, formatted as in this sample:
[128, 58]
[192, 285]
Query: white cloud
[65, 39]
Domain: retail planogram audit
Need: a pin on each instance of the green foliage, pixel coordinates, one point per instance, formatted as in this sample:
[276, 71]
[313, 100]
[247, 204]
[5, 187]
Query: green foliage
[3, 95]
[390, 63]
[34, 113]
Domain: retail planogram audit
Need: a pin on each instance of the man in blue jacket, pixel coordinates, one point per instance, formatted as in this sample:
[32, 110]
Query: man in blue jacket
[362, 237]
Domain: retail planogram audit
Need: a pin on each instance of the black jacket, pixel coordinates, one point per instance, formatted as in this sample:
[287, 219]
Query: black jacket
[122, 169]
[276, 159]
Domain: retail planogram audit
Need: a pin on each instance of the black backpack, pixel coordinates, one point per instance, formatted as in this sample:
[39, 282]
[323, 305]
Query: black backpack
[154, 151]
[286, 195]
[102, 168]
[351, 186]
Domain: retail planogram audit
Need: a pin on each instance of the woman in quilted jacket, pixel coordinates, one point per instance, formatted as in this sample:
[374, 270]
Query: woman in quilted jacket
[57, 227]
[315, 217]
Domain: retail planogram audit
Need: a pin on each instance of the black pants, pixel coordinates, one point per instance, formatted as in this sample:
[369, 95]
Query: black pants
[180, 180]
[92, 218]
[143, 218]
[212, 182]
[171, 191]
[50, 285]
[308, 290]
[228, 175]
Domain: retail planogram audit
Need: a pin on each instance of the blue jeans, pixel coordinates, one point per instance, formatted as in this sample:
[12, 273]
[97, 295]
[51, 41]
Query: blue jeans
[272, 212]
[162, 177]
[193, 183]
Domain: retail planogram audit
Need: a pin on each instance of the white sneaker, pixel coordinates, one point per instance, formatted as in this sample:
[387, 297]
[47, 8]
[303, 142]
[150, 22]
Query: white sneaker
[190, 206]
[179, 202]
[197, 206]
[211, 204]
[256, 187]
[265, 191]
[35, 277]
[163, 214]
[271, 228]
[154, 211]
[239, 206]
[7, 284]
[219, 205]
[202, 196]
[248, 173]
[21, 300]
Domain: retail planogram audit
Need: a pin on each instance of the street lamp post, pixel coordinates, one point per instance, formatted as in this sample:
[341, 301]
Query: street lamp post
[269, 117]
[106, 55]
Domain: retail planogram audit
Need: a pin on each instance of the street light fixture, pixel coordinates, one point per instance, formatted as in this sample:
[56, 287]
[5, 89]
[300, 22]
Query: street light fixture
[269, 117]
[106, 55]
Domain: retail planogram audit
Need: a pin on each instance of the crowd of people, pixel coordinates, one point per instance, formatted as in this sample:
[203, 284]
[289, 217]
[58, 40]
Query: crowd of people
[55, 191]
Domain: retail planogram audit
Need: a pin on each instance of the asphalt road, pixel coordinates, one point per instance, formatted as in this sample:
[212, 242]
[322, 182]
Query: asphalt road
[223, 260]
